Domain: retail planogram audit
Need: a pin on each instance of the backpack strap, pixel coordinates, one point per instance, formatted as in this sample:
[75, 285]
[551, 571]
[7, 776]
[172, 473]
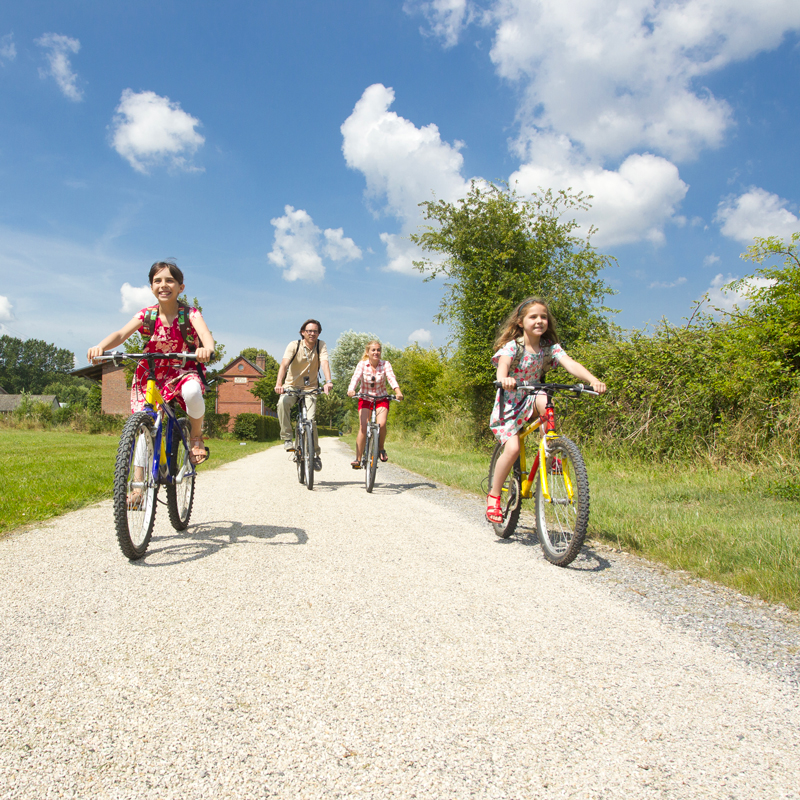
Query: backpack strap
[297, 350]
[185, 326]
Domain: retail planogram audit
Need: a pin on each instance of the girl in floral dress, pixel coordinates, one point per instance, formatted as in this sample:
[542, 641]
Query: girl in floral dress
[527, 346]
[174, 382]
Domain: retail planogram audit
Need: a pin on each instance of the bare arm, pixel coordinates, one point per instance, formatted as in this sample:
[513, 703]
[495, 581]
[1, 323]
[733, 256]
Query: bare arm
[581, 373]
[207, 340]
[114, 339]
[281, 375]
[503, 365]
[326, 371]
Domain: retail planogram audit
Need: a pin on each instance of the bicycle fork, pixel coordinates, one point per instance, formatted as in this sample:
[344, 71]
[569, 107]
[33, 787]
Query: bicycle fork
[541, 460]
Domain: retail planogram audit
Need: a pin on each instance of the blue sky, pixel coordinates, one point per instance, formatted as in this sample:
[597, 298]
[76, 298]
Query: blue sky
[278, 151]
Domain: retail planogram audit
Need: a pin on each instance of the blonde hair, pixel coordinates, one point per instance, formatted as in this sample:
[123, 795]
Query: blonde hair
[365, 357]
[511, 328]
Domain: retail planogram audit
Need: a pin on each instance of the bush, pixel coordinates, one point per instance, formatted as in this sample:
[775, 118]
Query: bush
[256, 428]
[216, 424]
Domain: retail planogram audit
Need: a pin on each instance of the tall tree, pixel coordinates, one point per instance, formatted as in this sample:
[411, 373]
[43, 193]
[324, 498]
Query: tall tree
[495, 248]
[264, 387]
[29, 365]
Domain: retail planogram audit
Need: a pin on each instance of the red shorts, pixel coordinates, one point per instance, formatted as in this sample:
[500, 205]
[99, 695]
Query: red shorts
[368, 405]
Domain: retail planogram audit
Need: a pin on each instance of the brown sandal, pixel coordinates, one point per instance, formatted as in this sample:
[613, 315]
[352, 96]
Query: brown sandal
[203, 454]
[355, 464]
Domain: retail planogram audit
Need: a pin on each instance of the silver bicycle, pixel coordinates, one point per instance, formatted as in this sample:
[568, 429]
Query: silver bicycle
[304, 437]
[371, 454]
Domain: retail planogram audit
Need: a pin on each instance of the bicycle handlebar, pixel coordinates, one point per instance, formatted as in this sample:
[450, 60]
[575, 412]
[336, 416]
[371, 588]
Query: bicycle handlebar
[295, 391]
[535, 386]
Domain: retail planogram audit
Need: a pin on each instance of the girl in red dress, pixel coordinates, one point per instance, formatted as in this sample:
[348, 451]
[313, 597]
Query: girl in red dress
[166, 336]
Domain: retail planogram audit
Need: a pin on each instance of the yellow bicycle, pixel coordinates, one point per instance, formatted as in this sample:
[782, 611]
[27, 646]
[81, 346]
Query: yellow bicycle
[557, 479]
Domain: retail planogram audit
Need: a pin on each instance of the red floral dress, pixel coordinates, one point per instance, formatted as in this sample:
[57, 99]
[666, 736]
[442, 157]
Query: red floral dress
[519, 407]
[170, 378]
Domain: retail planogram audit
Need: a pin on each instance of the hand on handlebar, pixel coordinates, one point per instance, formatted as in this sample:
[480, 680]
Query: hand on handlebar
[509, 384]
[204, 354]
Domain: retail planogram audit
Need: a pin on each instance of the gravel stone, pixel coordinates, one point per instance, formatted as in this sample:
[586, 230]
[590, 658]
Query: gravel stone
[336, 644]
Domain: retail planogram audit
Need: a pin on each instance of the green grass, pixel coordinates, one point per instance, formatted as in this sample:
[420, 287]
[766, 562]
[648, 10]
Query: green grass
[727, 525]
[46, 473]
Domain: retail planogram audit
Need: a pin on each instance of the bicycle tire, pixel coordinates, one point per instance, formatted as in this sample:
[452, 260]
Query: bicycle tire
[134, 519]
[561, 522]
[510, 495]
[372, 461]
[308, 454]
[180, 495]
[298, 454]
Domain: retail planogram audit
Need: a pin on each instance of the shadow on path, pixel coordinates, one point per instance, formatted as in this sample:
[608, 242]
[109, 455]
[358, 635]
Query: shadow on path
[588, 560]
[379, 488]
[207, 538]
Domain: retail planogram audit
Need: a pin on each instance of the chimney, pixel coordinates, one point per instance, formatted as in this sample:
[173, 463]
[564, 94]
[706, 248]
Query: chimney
[261, 362]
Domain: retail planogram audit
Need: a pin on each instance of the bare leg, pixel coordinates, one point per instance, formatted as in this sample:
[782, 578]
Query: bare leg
[364, 416]
[504, 464]
[381, 416]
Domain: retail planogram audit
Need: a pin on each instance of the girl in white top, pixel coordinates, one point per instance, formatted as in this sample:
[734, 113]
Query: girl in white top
[373, 374]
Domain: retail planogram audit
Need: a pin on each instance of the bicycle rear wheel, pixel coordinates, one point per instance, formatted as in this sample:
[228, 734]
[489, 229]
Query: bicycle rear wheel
[298, 454]
[372, 459]
[561, 521]
[135, 488]
[180, 494]
[510, 495]
[308, 454]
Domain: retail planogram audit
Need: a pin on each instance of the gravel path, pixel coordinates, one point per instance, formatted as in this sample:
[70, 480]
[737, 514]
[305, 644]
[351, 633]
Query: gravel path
[335, 644]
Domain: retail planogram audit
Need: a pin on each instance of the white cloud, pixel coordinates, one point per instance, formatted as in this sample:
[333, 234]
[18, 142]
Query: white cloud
[756, 213]
[620, 75]
[339, 247]
[446, 18]
[8, 50]
[135, 298]
[403, 165]
[420, 336]
[149, 130]
[710, 260]
[630, 204]
[727, 300]
[298, 242]
[672, 285]
[58, 49]
[5, 309]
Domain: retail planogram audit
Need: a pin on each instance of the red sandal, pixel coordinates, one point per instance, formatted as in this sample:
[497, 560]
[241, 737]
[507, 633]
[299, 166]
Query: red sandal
[494, 513]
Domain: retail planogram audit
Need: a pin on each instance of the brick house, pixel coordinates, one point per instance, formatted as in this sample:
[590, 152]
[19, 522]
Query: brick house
[9, 402]
[233, 389]
[116, 392]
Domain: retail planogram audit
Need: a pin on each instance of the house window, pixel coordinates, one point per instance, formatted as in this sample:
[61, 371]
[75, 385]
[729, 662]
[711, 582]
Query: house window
[241, 367]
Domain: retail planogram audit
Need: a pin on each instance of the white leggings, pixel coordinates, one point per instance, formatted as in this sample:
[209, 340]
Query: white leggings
[192, 394]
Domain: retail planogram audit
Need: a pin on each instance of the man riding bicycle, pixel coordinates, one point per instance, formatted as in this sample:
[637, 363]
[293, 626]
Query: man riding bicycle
[299, 369]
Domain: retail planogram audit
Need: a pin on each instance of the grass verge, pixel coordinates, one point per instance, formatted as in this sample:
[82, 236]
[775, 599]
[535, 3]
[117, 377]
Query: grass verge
[727, 525]
[46, 473]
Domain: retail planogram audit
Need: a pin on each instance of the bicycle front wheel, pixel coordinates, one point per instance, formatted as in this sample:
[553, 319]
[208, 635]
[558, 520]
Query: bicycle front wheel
[298, 454]
[180, 494]
[135, 487]
[308, 454]
[372, 460]
[510, 495]
[561, 521]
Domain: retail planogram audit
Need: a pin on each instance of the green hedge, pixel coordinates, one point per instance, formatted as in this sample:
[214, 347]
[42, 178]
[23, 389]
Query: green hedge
[323, 430]
[256, 428]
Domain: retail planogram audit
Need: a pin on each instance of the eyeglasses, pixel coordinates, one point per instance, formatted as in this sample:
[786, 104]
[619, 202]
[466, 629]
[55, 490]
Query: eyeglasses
[310, 331]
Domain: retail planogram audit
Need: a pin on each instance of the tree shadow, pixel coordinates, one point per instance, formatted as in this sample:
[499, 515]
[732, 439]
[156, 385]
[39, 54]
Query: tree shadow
[379, 488]
[588, 560]
[207, 538]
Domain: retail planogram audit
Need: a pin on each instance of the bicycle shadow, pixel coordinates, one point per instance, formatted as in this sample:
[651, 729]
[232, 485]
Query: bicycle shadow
[208, 538]
[588, 560]
[379, 488]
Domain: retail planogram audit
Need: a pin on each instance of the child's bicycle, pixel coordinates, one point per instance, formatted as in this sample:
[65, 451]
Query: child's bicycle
[304, 437]
[153, 450]
[371, 454]
[557, 478]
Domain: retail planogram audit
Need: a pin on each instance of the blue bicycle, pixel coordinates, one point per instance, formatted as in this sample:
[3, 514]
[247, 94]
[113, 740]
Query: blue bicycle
[153, 450]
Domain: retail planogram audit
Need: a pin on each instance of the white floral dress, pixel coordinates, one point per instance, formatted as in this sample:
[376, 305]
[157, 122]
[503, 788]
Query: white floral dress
[519, 407]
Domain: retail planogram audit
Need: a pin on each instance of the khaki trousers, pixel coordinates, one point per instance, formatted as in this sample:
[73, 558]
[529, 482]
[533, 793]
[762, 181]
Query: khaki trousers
[285, 404]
